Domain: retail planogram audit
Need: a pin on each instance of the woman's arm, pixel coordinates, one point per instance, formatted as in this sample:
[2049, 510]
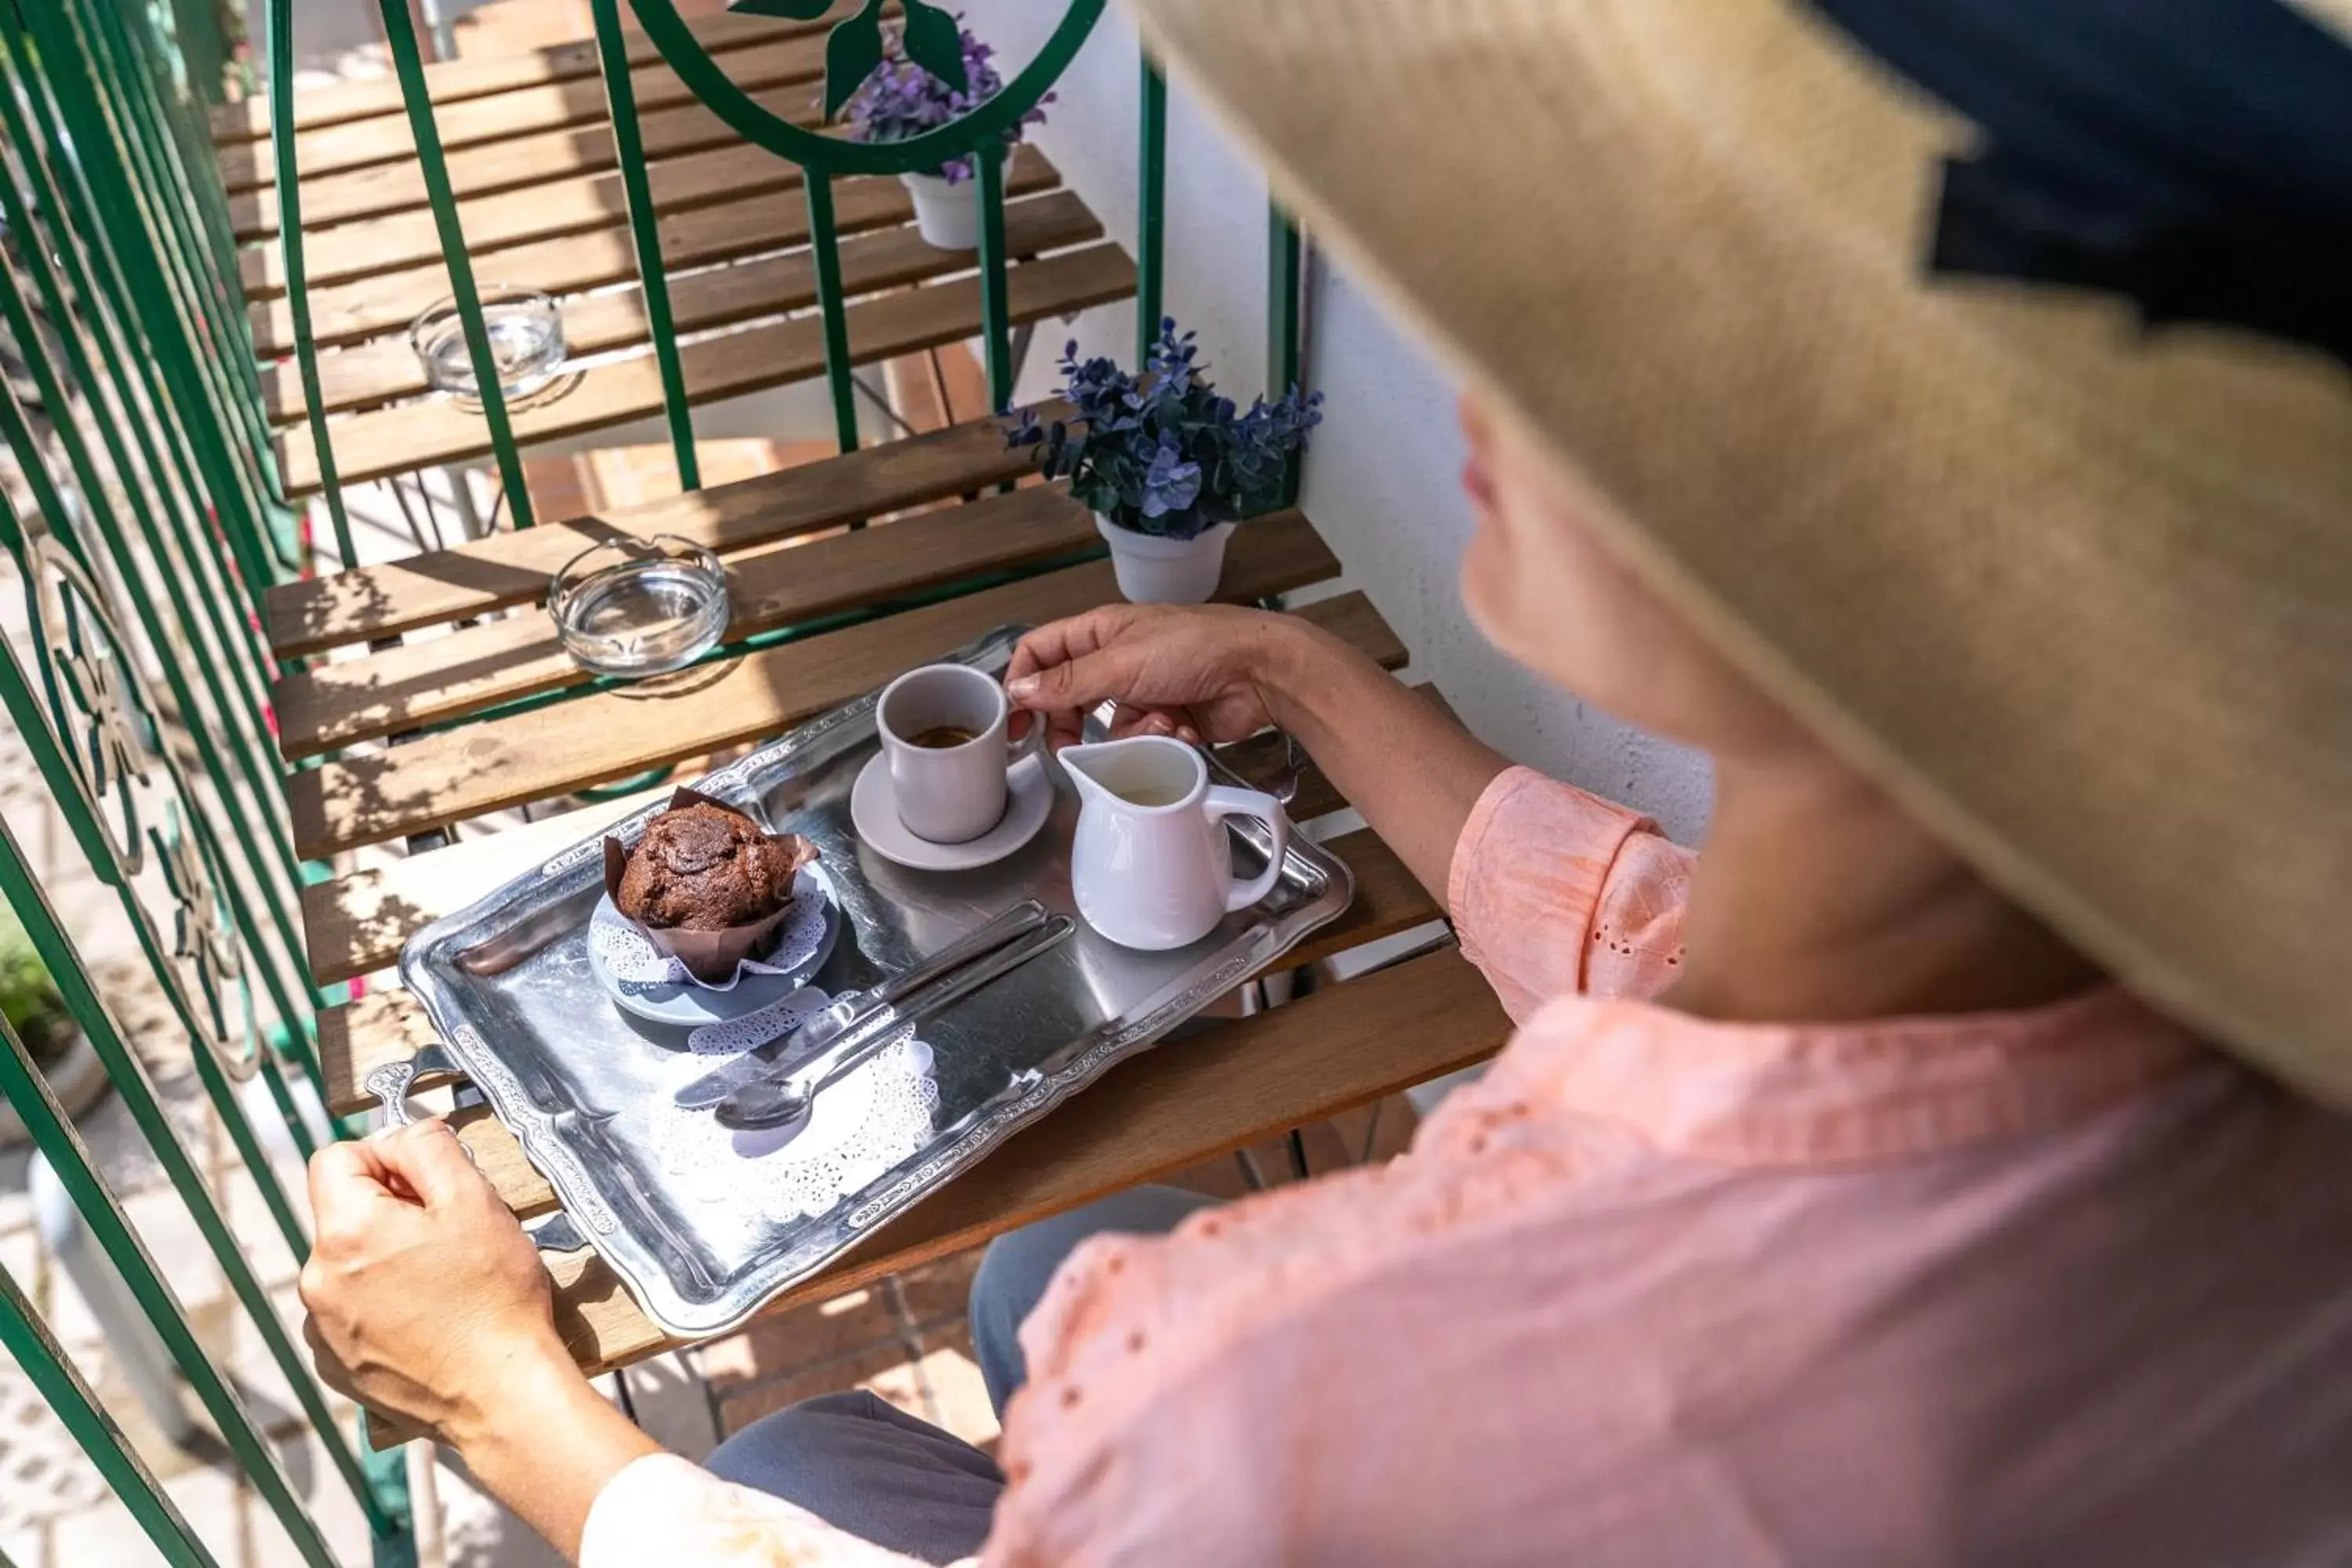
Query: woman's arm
[1551, 890]
[1220, 674]
[426, 1300]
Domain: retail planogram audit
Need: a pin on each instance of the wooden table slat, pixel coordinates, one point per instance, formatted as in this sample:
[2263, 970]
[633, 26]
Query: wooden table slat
[410, 437]
[518, 111]
[541, 158]
[552, 210]
[875, 255]
[752, 222]
[479, 667]
[482, 767]
[310, 615]
[354, 924]
[1150, 1115]
[479, 76]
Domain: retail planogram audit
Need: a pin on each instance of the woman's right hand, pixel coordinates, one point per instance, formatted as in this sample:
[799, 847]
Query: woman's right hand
[1208, 673]
[1213, 674]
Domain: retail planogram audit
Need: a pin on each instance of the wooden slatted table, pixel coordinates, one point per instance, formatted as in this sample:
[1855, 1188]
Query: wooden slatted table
[791, 561]
[543, 206]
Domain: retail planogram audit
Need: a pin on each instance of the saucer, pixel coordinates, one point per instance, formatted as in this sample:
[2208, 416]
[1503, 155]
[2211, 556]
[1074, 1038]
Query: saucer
[692, 1006]
[1029, 801]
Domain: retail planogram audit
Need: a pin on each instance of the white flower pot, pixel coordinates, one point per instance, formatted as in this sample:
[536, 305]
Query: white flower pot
[78, 1082]
[948, 216]
[1154, 570]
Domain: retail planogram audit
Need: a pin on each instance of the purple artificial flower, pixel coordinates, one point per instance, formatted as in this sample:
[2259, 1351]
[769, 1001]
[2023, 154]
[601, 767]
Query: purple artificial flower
[1163, 453]
[901, 101]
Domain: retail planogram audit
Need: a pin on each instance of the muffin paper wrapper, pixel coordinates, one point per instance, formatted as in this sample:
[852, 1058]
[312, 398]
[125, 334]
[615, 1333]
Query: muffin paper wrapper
[711, 956]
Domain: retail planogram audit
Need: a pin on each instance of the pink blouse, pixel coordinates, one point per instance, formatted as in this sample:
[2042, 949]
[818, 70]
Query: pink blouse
[2052, 1286]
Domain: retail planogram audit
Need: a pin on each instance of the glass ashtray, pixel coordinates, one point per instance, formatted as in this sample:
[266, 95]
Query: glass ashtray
[526, 337]
[640, 606]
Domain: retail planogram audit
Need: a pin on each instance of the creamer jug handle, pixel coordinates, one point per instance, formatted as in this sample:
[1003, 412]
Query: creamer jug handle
[1223, 801]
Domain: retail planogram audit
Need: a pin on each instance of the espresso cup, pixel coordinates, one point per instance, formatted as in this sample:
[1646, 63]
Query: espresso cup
[944, 729]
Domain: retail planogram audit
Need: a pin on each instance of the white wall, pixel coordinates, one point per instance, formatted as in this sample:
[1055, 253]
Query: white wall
[1380, 477]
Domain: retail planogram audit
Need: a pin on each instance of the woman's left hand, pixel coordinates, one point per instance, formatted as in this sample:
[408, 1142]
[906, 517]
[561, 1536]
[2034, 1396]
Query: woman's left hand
[426, 1298]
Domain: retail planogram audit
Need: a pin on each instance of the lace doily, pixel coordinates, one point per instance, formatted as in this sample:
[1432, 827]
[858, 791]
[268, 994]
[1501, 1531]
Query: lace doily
[862, 1126]
[733, 1036]
[632, 959]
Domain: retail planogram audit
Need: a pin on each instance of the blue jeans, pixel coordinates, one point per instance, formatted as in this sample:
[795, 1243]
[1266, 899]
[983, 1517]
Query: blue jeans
[898, 1481]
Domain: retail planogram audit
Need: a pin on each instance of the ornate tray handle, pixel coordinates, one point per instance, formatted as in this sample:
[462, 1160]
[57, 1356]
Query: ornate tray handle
[392, 1082]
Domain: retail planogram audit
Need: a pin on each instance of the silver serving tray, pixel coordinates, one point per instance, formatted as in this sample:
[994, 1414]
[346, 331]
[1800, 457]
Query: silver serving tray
[508, 986]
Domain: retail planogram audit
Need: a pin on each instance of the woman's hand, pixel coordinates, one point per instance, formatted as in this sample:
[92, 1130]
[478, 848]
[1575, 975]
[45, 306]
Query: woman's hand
[1214, 674]
[426, 1298]
[1206, 673]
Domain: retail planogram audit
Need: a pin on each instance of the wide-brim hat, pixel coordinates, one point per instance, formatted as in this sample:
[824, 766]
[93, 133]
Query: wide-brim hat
[1974, 374]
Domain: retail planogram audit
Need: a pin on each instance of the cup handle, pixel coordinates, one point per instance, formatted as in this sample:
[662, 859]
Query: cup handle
[1032, 744]
[1223, 801]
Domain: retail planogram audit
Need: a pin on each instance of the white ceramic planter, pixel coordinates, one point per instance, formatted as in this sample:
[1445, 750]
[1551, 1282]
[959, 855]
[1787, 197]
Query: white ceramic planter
[79, 1082]
[1153, 570]
[947, 216]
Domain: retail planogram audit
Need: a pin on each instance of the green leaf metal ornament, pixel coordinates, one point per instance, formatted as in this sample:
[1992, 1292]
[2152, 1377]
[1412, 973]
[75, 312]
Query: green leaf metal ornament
[852, 50]
[99, 706]
[200, 937]
[933, 41]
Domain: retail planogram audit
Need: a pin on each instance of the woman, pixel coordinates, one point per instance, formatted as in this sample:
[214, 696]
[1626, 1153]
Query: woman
[1936, 1170]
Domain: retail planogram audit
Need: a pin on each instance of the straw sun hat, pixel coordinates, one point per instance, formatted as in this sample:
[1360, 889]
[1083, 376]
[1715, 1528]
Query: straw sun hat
[1974, 371]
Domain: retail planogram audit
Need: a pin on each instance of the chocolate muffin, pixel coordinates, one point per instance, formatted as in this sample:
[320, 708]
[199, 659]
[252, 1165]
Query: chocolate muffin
[704, 867]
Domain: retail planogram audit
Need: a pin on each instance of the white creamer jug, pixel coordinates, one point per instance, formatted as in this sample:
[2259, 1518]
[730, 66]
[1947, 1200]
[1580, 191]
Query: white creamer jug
[1152, 864]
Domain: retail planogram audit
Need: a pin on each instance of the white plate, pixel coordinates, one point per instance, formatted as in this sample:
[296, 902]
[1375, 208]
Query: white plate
[875, 813]
[691, 1006]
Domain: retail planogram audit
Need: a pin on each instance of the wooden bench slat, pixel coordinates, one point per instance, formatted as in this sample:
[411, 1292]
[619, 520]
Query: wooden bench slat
[423, 435]
[384, 305]
[452, 81]
[519, 112]
[482, 767]
[354, 924]
[311, 615]
[474, 668]
[550, 211]
[388, 370]
[749, 224]
[356, 1038]
[1150, 1116]
[542, 158]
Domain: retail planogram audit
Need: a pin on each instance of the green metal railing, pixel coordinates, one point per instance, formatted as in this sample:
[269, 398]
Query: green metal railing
[146, 522]
[144, 525]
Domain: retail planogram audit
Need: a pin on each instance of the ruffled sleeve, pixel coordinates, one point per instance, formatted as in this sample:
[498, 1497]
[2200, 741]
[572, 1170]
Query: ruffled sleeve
[1556, 891]
[662, 1510]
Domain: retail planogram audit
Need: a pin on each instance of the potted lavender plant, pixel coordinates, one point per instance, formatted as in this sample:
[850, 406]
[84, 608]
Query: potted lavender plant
[901, 99]
[1167, 465]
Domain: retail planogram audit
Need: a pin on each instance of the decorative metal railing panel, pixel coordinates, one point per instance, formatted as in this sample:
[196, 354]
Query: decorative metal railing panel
[142, 525]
